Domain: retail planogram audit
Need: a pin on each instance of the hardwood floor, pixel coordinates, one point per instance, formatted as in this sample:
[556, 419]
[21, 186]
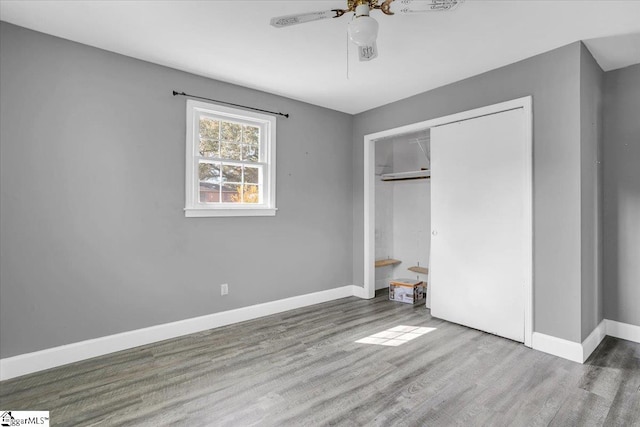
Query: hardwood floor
[304, 367]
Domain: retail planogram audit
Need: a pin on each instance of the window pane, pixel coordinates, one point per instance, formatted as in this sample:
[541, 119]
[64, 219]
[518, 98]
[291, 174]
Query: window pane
[230, 150]
[251, 194]
[209, 128]
[209, 148]
[231, 173]
[250, 153]
[232, 193]
[250, 134]
[209, 172]
[231, 132]
[209, 193]
[251, 175]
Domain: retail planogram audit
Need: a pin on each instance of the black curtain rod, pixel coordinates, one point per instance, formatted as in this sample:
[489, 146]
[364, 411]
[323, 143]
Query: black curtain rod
[229, 103]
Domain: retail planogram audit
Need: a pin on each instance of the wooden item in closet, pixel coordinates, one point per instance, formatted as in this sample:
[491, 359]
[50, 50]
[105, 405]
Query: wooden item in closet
[385, 262]
[418, 269]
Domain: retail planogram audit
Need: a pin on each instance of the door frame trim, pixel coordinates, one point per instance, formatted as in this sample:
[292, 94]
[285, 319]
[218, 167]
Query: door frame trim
[369, 193]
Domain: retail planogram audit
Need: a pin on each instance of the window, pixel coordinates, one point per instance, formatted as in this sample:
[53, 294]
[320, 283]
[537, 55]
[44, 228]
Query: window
[230, 162]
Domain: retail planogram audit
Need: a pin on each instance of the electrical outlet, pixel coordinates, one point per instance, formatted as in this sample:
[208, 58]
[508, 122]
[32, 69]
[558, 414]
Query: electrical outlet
[224, 289]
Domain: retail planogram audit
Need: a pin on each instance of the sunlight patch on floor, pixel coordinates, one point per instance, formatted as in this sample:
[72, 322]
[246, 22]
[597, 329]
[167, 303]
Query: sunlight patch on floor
[396, 336]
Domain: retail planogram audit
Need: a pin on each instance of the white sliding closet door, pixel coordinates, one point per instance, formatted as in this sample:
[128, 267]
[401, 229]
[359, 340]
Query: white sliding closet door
[478, 222]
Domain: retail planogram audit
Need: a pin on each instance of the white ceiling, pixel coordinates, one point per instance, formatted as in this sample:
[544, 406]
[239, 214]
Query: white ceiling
[232, 41]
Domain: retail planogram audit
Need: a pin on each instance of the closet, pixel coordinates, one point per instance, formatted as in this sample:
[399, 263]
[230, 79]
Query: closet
[402, 208]
[452, 202]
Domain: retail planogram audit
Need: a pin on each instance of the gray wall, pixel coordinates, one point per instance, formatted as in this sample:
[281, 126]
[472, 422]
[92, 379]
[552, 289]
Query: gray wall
[94, 238]
[553, 78]
[622, 195]
[591, 87]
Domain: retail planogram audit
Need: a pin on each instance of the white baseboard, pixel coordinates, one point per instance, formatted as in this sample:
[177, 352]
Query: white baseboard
[580, 352]
[593, 340]
[57, 356]
[624, 331]
[557, 346]
[23, 364]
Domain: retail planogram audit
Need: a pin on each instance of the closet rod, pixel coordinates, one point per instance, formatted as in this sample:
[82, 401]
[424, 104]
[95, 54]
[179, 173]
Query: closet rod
[406, 179]
[229, 103]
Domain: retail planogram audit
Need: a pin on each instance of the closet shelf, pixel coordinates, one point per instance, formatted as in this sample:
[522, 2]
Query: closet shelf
[418, 269]
[385, 262]
[402, 176]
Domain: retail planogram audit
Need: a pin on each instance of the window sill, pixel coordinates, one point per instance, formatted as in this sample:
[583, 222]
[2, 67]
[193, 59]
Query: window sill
[203, 213]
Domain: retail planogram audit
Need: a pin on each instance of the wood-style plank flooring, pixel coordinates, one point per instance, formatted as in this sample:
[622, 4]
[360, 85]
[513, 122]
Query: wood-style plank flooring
[303, 367]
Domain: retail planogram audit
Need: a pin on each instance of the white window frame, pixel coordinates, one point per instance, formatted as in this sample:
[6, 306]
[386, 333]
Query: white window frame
[267, 125]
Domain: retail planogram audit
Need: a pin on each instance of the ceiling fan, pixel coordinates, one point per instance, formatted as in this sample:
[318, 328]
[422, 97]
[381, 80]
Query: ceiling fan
[363, 29]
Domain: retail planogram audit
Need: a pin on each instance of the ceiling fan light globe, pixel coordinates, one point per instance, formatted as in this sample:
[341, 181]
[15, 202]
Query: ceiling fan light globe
[363, 30]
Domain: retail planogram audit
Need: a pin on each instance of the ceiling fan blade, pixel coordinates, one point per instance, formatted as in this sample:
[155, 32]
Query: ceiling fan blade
[301, 18]
[367, 53]
[420, 6]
